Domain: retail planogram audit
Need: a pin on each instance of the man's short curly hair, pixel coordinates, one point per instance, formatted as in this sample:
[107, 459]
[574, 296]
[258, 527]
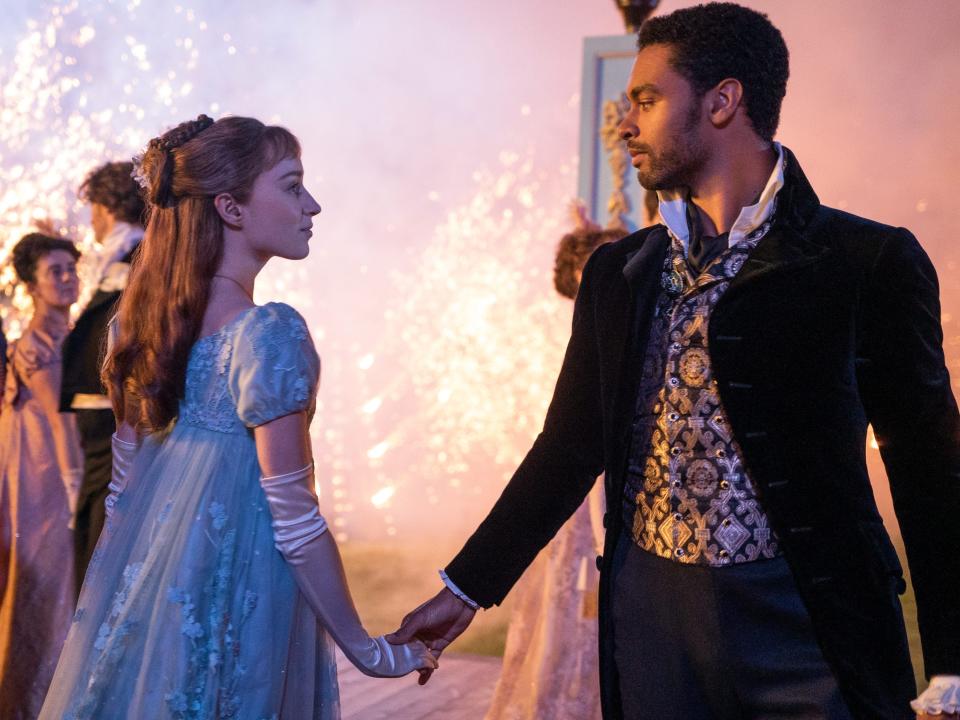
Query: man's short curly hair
[573, 251]
[724, 40]
[112, 186]
[33, 246]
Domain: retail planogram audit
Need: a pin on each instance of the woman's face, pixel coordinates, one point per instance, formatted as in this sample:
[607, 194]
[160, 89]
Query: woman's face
[56, 282]
[280, 212]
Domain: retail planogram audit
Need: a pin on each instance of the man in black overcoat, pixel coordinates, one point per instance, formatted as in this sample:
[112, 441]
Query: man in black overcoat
[117, 210]
[722, 371]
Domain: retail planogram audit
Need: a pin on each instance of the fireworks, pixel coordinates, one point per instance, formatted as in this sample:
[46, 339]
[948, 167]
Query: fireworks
[458, 386]
[435, 406]
[81, 86]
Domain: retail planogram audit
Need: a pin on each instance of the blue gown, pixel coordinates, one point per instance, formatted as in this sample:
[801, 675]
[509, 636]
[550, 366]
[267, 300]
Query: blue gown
[188, 610]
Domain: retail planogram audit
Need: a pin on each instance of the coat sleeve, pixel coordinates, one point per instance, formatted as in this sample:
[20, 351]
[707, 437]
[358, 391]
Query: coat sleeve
[906, 392]
[557, 472]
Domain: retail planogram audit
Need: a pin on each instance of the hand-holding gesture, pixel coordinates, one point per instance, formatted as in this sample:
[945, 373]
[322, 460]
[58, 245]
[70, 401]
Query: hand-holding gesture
[436, 623]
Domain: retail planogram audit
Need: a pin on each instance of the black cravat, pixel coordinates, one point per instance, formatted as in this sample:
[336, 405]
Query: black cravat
[702, 249]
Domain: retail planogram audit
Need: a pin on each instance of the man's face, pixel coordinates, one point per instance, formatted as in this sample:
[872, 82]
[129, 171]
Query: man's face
[662, 127]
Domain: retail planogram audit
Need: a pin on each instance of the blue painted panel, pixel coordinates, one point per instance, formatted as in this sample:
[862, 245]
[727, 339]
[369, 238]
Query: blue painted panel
[606, 68]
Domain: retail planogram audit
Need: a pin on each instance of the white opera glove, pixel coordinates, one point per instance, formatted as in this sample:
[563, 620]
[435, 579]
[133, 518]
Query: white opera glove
[942, 696]
[300, 534]
[71, 485]
[123, 454]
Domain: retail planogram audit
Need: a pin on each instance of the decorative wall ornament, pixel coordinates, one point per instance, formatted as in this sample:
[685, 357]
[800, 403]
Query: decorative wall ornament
[634, 12]
[618, 206]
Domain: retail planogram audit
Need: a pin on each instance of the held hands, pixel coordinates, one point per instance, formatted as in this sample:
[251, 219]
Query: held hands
[438, 622]
[300, 534]
[378, 658]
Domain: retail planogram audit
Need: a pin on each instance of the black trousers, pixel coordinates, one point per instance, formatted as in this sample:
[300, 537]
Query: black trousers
[96, 427]
[702, 643]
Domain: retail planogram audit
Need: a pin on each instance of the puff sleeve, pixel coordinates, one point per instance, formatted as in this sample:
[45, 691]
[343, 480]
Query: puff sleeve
[275, 367]
[34, 351]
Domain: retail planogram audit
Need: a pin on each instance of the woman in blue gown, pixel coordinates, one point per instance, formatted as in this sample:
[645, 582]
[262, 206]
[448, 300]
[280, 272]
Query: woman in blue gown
[215, 591]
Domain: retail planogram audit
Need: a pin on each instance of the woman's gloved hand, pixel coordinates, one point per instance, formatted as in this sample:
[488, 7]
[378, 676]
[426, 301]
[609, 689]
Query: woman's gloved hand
[300, 534]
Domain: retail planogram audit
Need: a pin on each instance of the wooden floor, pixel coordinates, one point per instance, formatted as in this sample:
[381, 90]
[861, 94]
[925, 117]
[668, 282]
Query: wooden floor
[460, 690]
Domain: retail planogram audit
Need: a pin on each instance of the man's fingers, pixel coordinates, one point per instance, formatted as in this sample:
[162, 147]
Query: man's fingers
[438, 645]
[402, 634]
[424, 676]
[408, 629]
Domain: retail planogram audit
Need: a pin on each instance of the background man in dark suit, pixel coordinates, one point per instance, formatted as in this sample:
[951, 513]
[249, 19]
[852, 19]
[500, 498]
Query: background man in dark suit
[117, 219]
[722, 371]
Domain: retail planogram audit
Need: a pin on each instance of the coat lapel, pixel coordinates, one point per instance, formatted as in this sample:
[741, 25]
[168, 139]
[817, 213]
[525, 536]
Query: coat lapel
[643, 264]
[631, 312]
[790, 243]
[781, 250]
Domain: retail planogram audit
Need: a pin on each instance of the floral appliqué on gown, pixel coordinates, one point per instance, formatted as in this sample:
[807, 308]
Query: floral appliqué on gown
[188, 610]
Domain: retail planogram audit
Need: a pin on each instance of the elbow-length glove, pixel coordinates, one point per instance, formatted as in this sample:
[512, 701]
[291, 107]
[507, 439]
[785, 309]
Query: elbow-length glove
[300, 534]
[123, 454]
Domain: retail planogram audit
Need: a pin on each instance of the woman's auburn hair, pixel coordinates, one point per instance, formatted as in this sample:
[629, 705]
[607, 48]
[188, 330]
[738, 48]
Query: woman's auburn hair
[162, 308]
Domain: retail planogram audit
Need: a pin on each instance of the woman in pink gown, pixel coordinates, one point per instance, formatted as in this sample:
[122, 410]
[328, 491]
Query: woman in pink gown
[40, 466]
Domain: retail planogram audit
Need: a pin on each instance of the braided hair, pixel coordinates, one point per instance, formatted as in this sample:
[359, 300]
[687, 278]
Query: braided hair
[161, 311]
[159, 149]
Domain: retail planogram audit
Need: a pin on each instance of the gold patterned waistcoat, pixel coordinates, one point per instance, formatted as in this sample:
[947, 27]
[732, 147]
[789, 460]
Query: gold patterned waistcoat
[688, 496]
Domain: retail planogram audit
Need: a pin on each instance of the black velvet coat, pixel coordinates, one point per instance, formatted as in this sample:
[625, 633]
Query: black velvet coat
[85, 347]
[832, 323]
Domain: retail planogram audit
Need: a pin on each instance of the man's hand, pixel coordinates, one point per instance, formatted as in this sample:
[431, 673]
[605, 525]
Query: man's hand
[436, 623]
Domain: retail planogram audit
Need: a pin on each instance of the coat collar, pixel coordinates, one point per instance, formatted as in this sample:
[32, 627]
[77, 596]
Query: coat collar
[797, 202]
[645, 261]
[789, 244]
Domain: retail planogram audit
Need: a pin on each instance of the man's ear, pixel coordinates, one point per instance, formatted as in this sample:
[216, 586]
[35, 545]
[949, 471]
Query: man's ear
[724, 101]
[230, 211]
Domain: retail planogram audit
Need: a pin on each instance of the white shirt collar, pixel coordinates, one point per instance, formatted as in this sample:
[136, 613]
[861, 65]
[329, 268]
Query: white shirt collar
[118, 244]
[673, 208]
